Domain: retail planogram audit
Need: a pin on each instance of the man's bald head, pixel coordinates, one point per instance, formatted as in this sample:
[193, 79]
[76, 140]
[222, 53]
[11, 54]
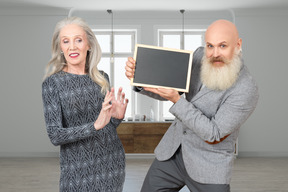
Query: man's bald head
[222, 29]
[222, 39]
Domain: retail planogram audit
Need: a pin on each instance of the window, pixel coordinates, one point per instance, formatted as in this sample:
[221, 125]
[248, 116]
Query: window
[114, 55]
[189, 40]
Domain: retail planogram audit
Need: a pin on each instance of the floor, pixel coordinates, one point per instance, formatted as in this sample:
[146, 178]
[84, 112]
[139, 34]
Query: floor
[42, 174]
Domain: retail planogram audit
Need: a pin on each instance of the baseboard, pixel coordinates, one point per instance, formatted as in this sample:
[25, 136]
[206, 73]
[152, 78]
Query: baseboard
[262, 154]
[56, 154]
[29, 154]
[140, 155]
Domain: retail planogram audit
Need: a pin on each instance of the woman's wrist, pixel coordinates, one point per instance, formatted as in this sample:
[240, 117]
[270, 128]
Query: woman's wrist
[98, 125]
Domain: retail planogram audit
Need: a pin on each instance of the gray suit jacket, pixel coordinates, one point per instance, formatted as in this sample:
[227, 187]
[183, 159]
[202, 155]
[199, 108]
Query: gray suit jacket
[208, 115]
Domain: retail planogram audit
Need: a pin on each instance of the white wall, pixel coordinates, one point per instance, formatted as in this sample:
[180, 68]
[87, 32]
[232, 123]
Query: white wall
[25, 38]
[264, 34]
[25, 50]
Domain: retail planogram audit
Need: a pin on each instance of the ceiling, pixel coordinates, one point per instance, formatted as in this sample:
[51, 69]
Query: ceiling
[127, 5]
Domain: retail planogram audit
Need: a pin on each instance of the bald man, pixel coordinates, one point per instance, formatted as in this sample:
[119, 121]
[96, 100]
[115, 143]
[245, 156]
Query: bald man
[198, 148]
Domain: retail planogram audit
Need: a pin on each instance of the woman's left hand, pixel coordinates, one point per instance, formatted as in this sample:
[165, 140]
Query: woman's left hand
[119, 105]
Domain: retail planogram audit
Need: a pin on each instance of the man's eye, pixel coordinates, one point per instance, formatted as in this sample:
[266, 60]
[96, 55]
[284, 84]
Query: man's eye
[209, 46]
[222, 46]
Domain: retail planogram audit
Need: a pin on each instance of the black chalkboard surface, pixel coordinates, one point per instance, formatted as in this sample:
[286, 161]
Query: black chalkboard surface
[162, 67]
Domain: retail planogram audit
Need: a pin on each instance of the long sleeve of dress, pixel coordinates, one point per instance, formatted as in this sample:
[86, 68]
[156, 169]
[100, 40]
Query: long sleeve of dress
[71, 108]
[53, 118]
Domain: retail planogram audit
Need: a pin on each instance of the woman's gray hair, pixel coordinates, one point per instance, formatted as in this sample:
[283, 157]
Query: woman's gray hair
[58, 60]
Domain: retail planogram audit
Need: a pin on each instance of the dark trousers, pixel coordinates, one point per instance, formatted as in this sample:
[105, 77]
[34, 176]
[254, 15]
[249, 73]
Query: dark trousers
[171, 175]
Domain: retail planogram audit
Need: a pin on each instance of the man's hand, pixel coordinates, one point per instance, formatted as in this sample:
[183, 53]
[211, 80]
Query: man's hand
[130, 68]
[169, 94]
[216, 142]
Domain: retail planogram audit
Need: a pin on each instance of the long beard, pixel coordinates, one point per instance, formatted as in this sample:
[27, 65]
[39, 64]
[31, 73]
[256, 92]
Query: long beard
[220, 78]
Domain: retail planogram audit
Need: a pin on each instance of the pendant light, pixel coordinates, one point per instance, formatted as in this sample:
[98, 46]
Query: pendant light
[183, 24]
[112, 38]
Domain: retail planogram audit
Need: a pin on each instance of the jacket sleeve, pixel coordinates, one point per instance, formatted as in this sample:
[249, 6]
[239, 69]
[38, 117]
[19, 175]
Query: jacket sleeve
[231, 113]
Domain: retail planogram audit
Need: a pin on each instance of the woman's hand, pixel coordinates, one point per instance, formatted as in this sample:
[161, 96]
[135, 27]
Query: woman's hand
[105, 113]
[119, 106]
[111, 108]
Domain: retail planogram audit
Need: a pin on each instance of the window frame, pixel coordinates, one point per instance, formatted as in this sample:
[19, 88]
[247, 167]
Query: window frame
[112, 53]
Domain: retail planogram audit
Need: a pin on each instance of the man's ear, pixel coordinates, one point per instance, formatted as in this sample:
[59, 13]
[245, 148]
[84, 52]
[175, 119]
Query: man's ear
[239, 44]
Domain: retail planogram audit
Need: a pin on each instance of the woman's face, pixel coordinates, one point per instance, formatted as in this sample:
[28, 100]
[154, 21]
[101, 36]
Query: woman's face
[74, 45]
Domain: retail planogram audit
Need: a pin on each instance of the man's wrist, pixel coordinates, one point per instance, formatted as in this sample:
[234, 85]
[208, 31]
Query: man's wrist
[176, 98]
[137, 89]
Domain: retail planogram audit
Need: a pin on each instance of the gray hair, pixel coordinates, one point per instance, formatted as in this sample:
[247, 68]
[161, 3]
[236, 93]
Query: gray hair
[58, 60]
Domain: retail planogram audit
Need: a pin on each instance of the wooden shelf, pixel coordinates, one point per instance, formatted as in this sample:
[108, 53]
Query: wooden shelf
[141, 137]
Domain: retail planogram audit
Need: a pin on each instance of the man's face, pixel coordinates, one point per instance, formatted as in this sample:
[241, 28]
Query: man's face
[220, 46]
[222, 60]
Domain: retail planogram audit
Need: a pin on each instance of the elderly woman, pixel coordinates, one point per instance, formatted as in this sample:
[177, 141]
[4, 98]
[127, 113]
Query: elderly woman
[82, 112]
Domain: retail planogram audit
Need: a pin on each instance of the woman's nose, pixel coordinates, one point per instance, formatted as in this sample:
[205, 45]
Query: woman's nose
[72, 45]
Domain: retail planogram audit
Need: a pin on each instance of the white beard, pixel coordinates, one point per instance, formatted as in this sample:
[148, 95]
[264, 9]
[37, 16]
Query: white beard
[220, 78]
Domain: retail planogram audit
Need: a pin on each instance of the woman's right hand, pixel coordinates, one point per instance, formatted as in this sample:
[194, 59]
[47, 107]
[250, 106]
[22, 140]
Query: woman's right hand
[105, 113]
[130, 68]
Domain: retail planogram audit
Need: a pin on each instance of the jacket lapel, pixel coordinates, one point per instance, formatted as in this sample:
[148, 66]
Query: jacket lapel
[201, 93]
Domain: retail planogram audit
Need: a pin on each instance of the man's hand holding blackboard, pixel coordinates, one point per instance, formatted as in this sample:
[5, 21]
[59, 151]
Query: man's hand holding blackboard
[130, 68]
[169, 94]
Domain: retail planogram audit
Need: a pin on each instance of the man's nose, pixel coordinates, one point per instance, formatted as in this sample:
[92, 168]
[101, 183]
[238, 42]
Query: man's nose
[216, 52]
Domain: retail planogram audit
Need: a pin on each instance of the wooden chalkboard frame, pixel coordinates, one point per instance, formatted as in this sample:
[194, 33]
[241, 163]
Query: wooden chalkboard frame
[151, 61]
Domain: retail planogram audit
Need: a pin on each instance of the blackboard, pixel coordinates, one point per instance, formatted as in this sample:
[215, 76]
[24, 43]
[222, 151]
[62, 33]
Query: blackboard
[162, 67]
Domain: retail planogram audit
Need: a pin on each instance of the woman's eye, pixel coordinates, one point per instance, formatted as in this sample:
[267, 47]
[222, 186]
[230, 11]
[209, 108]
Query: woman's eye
[79, 40]
[65, 41]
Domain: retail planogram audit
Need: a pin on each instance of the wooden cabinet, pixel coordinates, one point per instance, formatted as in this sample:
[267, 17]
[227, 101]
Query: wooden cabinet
[141, 137]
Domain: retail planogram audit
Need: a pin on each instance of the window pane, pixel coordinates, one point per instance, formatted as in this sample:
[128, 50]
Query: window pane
[192, 42]
[104, 65]
[171, 41]
[122, 44]
[104, 41]
[166, 107]
[122, 81]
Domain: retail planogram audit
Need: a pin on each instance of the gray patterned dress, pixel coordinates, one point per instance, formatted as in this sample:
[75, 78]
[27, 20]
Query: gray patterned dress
[90, 160]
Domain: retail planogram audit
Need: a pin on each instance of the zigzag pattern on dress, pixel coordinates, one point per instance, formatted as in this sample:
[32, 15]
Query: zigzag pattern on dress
[90, 160]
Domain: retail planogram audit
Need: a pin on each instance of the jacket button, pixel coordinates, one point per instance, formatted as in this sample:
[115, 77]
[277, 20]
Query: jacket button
[184, 132]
